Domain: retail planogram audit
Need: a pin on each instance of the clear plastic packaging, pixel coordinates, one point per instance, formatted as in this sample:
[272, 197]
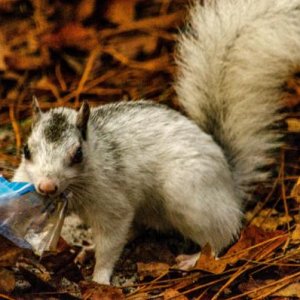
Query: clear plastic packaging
[28, 219]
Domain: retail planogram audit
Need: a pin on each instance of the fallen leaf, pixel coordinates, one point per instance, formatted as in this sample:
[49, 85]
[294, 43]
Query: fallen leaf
[292, 290]
[72, 35]
[157, 22]
[121, 12]
[27, 62]
[184, 282]
[293, 124]
[85, 9]
[7, 6]
[133, 46]
[252, 285]
[3, 52]
[152, 269]
[262, 212]
[95, 291]
[270, 223]
[209, 263]
[62, 245]
[69, 287]
[34, 269]
[297, 219]
[174, 295]
[254, 243]
[9, 253]
[295, 238]
[244, 249]
[7, 280]
[63, 263]
[296, 191]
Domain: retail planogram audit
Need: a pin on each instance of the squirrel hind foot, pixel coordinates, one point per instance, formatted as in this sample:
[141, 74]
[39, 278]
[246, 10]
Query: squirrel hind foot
[187, 262]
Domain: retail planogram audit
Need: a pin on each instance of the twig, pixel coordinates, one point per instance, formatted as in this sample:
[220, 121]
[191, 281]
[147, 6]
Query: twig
[87, 70]
[16, 127]
[295, 275]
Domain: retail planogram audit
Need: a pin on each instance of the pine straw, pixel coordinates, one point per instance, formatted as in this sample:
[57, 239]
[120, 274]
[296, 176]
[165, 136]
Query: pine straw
[105, 51]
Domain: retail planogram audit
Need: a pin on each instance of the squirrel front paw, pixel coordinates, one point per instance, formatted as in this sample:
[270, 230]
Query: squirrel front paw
[102, 276]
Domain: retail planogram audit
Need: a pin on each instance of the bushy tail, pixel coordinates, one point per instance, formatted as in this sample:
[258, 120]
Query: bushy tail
[234, 60]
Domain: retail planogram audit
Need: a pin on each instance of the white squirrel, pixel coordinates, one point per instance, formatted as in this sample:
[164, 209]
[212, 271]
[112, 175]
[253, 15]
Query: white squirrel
[143, 163]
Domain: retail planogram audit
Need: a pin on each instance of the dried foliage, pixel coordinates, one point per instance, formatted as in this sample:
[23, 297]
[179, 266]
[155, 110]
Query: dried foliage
[103, 51]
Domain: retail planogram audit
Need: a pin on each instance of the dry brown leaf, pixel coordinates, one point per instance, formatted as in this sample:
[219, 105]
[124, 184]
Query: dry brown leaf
[254, 243]
[132, 46]
[295, 238]
[85, 9]
[121, 12]
[158, 22]
[26, 62]
[173, 295]
[209, 263]
[293, 124]
[7, 280]
[292, 290]
[296, 191]
[252, 285]
[261, 212]
[244, 249]
[95, 291]
[3, 52]
[152, 269]
[8, 253]
[156, 64]
[270, 222]
[35, 270]
[297, 219]
[72, 35]
[62, 245]
[9, 258]
[45, 84]
[142, 296]
[7, 5]
[184, 282]
[261, 289]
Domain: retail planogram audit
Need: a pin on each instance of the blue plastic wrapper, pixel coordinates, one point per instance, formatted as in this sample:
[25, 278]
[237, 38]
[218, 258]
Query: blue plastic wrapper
[28, 219]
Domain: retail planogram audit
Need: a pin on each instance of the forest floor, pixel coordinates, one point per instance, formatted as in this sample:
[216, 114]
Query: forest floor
[64, 52]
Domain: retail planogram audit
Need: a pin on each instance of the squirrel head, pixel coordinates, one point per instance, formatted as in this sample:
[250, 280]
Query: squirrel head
[55, 153]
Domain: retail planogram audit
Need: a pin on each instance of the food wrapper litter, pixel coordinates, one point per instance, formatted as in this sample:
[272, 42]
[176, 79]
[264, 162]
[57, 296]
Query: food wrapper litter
[28, 219]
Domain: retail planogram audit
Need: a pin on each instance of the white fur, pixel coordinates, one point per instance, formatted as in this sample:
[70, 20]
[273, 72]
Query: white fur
[233, 62]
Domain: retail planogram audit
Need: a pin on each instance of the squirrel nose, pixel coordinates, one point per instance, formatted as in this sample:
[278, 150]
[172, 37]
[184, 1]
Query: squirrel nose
[47, 187]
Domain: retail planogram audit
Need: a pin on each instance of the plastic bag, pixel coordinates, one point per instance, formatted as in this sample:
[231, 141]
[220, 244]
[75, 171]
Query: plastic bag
[28, 219]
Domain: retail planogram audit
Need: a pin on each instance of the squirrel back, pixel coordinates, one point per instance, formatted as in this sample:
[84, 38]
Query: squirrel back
[234, 60]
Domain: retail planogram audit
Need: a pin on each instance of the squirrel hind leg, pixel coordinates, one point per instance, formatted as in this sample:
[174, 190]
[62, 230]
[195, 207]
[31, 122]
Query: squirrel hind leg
[206, 215]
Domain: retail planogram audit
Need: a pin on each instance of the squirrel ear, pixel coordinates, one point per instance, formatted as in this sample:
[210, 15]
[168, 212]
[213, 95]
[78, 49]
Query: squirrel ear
[36, 110]
[82, 119]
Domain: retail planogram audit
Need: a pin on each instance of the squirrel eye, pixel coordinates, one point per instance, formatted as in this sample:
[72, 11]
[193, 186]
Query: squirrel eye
[26, 152]
[78, 156]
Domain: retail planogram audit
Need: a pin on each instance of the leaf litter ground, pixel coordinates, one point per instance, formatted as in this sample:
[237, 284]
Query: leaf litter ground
[105, 51]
